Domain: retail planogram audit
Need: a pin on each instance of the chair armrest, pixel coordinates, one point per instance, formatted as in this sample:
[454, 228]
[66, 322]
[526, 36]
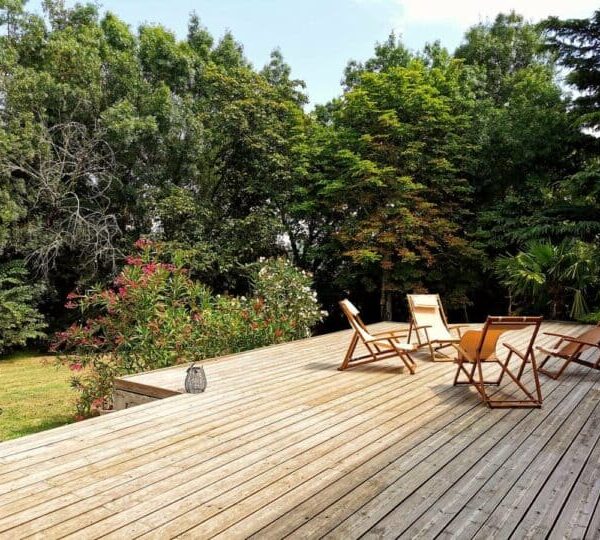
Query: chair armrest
[515, 351]
[385, 339]
[463, 352]
[459, 326]
[390, 333]
[554, 334]
[575, 339]
[425, 326]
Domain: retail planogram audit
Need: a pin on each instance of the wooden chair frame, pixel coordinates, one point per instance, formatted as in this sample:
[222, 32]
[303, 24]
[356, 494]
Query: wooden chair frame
[569, 349]
[427, 342]
[380, 345]
[484, 351]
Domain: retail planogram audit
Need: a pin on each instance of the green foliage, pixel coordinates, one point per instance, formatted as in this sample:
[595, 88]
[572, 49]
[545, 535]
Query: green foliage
[577, 43]
[19, 320]
[154, 315]
[428, 167]
[402, 200]
[554, 278]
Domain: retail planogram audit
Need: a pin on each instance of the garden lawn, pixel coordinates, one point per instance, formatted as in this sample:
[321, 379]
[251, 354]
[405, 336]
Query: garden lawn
[34, 395]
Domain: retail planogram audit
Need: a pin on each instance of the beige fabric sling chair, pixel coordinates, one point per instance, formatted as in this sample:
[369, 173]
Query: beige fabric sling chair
[569, 349]
[379, 346]
[478, 347]
[429, 323]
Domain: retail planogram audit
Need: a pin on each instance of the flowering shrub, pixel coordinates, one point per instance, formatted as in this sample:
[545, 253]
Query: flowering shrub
[154, 315]
[287, 298]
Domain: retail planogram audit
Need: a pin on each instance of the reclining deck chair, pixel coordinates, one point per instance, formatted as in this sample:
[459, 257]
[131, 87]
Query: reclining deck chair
[428, 320]
[380, 345]
[478, 347]
[569, 349]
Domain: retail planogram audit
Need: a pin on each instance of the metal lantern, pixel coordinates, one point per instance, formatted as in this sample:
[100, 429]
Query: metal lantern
[195, 380]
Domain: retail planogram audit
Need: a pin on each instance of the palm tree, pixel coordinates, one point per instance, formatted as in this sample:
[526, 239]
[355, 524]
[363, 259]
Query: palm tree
[551, 276]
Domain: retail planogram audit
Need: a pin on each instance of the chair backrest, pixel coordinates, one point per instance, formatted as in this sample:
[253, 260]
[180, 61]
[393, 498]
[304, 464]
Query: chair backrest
[427, 310]
[494, 327]
[591, 335]
[353, 316]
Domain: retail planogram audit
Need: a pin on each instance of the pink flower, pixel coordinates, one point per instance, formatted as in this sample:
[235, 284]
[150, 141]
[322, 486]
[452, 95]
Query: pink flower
[70, 305]
[149, 268]
[98, 403]
[134, 261]
[72, 295]
[122, 292]
[77, 366]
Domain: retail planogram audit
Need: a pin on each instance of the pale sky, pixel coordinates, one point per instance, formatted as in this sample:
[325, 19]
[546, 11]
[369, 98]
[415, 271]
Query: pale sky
[318, 37]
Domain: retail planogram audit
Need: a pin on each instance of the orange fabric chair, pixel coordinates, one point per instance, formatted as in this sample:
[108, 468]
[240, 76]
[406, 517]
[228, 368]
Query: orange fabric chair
[569, 349]
[478, 347]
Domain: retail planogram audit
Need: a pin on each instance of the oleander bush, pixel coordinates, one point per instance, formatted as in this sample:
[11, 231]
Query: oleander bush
[155, 315]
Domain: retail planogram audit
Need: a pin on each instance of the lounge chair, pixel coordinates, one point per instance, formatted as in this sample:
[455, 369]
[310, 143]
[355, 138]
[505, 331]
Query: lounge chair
[478, 347]
[569, 349]
[380, 345]
[430, 325]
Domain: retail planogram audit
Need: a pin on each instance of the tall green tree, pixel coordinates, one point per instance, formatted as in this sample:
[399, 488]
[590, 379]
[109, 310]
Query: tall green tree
[399, 188]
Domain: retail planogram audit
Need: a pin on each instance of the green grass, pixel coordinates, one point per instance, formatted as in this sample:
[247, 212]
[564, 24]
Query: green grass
[34, 395]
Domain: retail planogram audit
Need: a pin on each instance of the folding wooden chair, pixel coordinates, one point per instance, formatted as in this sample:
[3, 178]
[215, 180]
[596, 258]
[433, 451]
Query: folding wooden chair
[428, 321]
[380, 345]
[477, 348]
[569, 349]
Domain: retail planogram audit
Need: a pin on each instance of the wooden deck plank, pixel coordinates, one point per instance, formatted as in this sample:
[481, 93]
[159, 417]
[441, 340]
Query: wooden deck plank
[362, 508]
[576, 515]
[473, 466]
[440, 511]
[290, 521]
[493, 508]
[202, 427]
[248, 466]
[199, 452]
[546, 508]
[282, 443]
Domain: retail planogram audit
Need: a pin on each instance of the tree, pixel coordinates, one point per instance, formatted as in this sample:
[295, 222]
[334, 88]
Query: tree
[398, 190]
[552, 278]
[388, 54]
[577, 44]
[527, 140]
[19, 320]
[575, 211]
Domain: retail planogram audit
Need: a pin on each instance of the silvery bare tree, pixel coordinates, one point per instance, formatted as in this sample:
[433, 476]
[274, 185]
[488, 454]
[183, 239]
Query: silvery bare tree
[69, 183]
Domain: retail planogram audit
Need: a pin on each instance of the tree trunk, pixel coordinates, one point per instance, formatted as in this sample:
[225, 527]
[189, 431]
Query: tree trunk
[385, 299]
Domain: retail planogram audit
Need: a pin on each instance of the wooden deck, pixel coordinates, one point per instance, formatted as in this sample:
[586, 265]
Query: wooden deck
[282, 444]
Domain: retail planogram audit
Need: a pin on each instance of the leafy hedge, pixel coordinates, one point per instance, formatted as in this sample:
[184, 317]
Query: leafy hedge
[154, 315]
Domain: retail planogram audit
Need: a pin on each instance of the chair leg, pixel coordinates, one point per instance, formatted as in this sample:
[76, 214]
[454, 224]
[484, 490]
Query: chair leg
[349, 352]
[536, 378]
[406, 358]
[410, 363]
[461, 367]
[556, 374]
[480, 385]
[532, 401]
[552, 374]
